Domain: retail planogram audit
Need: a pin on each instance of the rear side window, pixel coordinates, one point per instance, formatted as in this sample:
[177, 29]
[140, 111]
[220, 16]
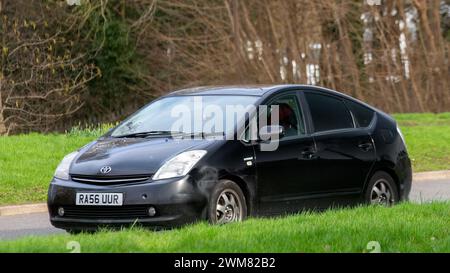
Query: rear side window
[328, 113]
[363, 115]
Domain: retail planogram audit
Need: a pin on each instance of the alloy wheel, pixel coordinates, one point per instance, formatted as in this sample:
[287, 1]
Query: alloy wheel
[228, 207]
[381, 193]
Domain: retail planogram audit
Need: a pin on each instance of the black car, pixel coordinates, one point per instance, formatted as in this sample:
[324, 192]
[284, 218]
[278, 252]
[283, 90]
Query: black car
[322, 149]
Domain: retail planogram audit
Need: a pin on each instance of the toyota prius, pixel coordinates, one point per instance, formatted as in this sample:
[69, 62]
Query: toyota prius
[223, 154]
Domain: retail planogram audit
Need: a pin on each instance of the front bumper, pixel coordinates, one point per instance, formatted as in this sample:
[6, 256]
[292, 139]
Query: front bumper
[177, 202]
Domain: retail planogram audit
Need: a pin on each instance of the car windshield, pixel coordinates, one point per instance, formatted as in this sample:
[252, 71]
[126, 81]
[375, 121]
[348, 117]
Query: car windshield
[209, 114]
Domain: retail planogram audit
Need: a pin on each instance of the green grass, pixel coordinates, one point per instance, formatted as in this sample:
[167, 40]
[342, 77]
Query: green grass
[428, 140]
[27, 162]
[403, 228]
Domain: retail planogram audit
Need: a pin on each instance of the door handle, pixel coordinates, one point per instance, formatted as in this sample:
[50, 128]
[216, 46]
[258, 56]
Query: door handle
[367, 146]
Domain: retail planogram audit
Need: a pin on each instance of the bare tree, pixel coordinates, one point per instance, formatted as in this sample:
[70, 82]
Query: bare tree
[392, 55]
[42, 77]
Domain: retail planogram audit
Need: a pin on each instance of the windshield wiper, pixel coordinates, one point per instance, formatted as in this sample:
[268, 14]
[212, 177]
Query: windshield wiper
[149, 134]
[204, 134]
[170, 133]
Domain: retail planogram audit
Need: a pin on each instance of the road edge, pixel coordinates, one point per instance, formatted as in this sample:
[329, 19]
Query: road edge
[23, 209]
[434, 175]
[42, 207]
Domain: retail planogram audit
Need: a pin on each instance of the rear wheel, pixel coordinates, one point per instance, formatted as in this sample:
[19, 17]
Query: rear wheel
[227, 203]
[381, 190]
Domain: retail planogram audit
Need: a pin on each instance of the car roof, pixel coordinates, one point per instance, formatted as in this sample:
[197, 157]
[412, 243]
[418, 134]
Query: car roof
[260, 91]
[245, 90]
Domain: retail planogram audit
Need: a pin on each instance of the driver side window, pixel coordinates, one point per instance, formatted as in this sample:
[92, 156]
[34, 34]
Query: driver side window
[289, 115]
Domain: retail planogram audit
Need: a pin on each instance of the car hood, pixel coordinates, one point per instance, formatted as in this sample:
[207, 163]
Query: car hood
[130, 156]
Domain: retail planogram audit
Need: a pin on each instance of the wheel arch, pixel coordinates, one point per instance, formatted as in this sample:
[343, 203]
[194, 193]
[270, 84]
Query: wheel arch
[384, 168]
[248, 194]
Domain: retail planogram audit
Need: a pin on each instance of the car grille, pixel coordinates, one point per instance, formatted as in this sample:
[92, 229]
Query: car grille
[109, 180]
[96, 212]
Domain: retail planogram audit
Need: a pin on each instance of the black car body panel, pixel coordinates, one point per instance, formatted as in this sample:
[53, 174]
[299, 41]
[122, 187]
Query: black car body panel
[392, 156]
[130, 156]
[316, 170]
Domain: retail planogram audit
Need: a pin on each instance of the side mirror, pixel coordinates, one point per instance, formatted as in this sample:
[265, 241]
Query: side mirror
[271, 132]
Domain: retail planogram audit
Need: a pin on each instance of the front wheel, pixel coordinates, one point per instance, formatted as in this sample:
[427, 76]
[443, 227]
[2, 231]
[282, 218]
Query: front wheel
[381, 190]
[227, 203]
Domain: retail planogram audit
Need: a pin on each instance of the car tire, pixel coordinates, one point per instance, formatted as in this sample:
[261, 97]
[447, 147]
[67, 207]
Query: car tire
[227, 203]
[381, 190]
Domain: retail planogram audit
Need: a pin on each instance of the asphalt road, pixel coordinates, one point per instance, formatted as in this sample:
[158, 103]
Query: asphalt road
[12, 227]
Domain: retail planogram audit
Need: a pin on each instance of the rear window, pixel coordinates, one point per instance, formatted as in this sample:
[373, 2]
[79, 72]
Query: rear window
[363, 115]
[328, 113]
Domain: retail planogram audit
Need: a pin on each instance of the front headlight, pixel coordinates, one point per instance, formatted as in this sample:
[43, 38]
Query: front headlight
[62, 171]
[179, 165]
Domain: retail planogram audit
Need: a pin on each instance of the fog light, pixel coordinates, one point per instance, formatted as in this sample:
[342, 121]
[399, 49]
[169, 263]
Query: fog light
[61, 211]
[151, 211]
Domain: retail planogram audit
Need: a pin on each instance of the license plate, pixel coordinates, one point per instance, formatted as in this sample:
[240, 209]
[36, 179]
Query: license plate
[99, 199]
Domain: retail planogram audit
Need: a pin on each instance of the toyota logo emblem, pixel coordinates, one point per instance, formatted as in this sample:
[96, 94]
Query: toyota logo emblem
[105, 169]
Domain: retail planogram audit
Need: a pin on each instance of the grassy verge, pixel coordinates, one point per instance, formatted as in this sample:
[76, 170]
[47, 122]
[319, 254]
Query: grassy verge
[403, 228]
[27, 162]
[428, 139]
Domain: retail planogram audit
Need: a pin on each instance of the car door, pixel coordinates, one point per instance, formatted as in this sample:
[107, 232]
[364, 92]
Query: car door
[286, 174]
[345, 153]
